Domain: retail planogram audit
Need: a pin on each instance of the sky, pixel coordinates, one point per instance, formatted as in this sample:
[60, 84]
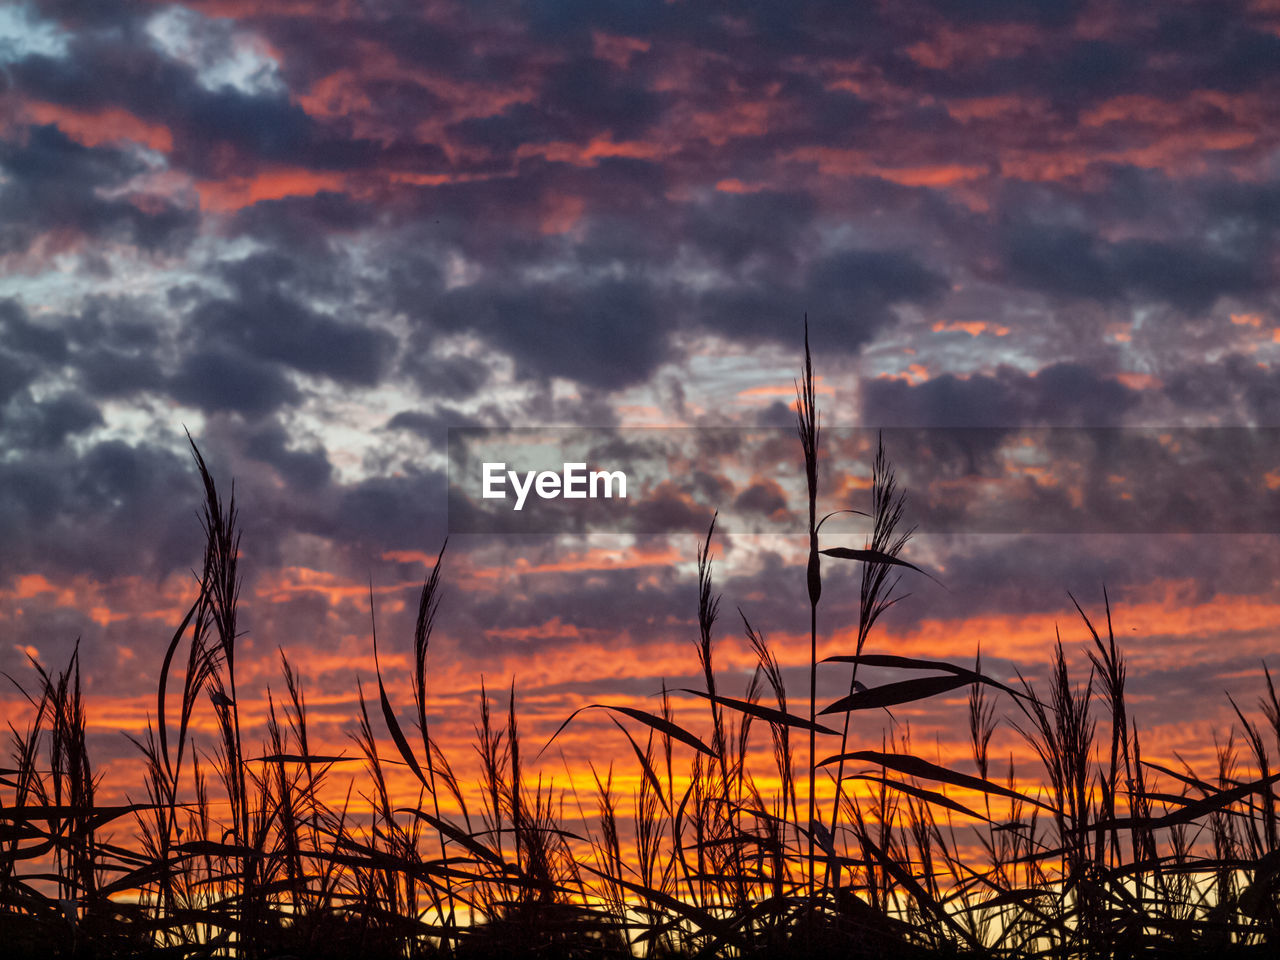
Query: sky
[316, 235]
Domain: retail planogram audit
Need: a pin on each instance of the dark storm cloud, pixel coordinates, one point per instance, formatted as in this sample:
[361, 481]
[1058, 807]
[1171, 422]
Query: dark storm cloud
[762, 28]
[481, 215]
[609, 334]
[669, 507]
[389, 513]
[649, 608]
[848, 296]
[303, 470]
[23, 348]
[579, 98]
[763, 497]
[1060, 394]
[592, 93]
[1218, 45]
[264, 320]
[305, 224]
[1081, 72]
[1043, 12]
[14, 375]
[1248, 210]
[504, 132]
[124, 323]
[1068, 262]
[41, 424]
[111, 13]
[217, 380]
[108, 372]
[54, 183]
[19, 334]
[633, 18]
[731, 228]
[112, 505]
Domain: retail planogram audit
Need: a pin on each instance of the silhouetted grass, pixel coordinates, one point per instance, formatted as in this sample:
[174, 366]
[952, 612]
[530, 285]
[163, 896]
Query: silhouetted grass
[1113, 856]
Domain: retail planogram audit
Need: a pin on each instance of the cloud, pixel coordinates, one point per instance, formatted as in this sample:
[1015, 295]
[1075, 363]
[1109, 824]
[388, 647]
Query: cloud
[112, 506]
[1179, 49]
[264, 321]
[389, 513]
[17, 333]
[1049, 13]
[52, 183]
[108, 372]
[1064, 394]
[763, 497]
[432, 426]
[609, 334]
[1068, 262]
[302, 469]
[217, 379]
[455, 377]
[40, 424]
[1236, 387]
[215, 132]
[848, 296]
[305, 224]
[14, 375]
[731, 229]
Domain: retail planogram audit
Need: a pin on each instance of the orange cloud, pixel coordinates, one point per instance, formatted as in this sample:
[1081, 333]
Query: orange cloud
[775, 391]
[233, 193]
[587, 155]
[284, 584]
[123, 598]
[1140, 381]
[734, 185]
[93, 128]
[971, 327]
[930, 176]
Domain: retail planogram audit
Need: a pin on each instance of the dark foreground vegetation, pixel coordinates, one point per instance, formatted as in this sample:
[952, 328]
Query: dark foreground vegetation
[711, 855]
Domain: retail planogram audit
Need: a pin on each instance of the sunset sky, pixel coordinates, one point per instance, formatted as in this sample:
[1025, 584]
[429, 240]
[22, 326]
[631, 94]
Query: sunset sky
[318, 234]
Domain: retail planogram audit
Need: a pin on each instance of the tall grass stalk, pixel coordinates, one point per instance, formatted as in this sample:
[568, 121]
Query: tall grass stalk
[809, 429]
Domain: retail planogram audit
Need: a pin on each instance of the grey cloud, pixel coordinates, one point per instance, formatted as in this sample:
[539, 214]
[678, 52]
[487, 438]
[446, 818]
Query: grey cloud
[303, 470]
[609, 334]
[17, 332]
[40, 424]
[1062, 394]
[114, 506]
[1069, 262]
[222, 380]
[847, 295]
[265, 321]
[53, 183]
